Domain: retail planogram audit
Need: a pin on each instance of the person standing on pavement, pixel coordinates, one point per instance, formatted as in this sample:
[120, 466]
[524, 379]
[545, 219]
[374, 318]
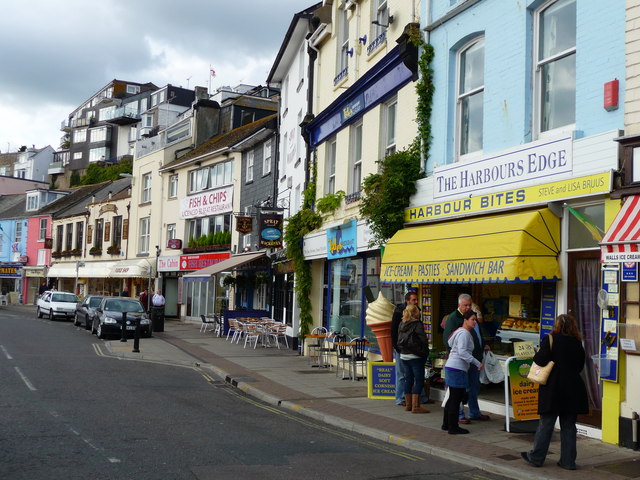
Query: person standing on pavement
[563, 396]
[410, 298]
[144, 299]
[43, 288]
[454, 321]
[414, 351]
[460, 361]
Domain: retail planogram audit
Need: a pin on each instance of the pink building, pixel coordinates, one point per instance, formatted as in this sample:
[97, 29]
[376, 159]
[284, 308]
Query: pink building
[38, 256]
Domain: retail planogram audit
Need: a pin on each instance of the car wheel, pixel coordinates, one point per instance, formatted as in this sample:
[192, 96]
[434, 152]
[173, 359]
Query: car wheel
[99, 331]
[39, 312]
[93, 330]
[87, 325]
[76, 321]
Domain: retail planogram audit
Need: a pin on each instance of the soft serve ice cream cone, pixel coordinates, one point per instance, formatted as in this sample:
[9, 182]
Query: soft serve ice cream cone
[378, 318]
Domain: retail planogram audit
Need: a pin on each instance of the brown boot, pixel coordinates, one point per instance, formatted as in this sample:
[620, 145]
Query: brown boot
[407, 401]
[416, 404]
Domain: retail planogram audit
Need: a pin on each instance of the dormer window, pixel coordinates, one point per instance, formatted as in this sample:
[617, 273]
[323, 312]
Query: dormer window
[33, 202]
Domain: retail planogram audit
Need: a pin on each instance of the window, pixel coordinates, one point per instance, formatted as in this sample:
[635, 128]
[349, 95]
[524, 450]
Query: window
[380, 13]
[171, 231]
[69, 237]
[145, 229]
[331, 166]
[98, 154]
[203, 178]
[79, 235]
[173, 186]
[99, 232]
[343, 44]
[266, 161]
[211, 177]
[356, 158]
[133, 133]
[301, 65]
[42, 232]
[250, 166]
[106, 113]
[59, 237]
[80, 136]
[579, 235]
[146, 188]
[388, 123]
[32, 202]
[133, 89]
[470, 101]
[98, 134]
[206, 225]
[178, 132]
[42, 256]
[77, 155]
[18, 232]
[556, 65]
[117, 231]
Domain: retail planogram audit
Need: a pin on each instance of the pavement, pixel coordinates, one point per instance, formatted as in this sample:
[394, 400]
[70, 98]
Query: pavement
[283, 378]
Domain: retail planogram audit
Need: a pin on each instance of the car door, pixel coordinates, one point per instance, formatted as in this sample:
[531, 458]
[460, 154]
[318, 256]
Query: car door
[82, 314]
[46, 304]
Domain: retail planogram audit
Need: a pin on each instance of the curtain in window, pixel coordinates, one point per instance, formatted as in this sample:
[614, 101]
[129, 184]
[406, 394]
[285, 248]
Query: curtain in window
[588, 314]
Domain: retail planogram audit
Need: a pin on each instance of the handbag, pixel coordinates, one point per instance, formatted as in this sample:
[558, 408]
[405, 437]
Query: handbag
[538, 374]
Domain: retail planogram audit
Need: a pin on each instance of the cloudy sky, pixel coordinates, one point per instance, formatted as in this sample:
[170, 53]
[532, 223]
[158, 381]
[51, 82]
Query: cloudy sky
[55, 55]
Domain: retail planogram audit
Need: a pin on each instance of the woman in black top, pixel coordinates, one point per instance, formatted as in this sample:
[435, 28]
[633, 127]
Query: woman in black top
[564, 395]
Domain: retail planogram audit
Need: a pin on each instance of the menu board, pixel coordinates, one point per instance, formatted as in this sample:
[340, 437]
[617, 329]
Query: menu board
[427, 306]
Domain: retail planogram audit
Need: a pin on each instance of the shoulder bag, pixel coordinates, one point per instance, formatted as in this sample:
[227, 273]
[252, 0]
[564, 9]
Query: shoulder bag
[538, 374]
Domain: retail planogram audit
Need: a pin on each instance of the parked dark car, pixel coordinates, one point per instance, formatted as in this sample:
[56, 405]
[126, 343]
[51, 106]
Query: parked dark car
[86, 309]
[56, 304]
[108, 317]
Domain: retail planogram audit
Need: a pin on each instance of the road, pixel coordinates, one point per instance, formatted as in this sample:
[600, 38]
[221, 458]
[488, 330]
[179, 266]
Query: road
[70, 411]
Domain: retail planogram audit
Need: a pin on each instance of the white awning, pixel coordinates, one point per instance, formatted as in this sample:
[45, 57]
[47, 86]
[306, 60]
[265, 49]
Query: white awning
[89, 270]
[226, 265]
[138, 267]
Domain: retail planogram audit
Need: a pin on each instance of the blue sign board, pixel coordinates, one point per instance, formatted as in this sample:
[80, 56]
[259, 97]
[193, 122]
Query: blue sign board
[547, 308]
[629, 272]
[607, 362]
[381, 380]
[341, 241]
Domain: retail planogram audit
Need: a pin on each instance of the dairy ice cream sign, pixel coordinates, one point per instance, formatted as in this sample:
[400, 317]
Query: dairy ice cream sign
[212, 202]
[545, 160]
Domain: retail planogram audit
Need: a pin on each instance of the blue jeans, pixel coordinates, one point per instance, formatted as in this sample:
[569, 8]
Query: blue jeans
[414, 376]
[399, 378]
[542, 439]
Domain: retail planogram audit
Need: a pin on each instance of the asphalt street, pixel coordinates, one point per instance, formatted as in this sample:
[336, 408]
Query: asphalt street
[70, 411]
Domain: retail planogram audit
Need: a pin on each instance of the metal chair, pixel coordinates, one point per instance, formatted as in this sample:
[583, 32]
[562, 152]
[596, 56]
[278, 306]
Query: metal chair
[205, 323]
[316, 344]
[218, 328]
[278, 331]
[342, 356]
[357, 358]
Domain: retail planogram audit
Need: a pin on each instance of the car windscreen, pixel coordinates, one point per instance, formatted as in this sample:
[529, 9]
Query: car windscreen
[64, 297]
[129, 306]
[94, 301]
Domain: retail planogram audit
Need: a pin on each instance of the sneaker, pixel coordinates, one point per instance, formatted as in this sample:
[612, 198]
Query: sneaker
[482, 418]
[464, 421]
[525, 457]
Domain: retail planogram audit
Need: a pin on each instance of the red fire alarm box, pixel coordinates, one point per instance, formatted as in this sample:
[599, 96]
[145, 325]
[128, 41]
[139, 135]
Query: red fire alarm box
[611, 95]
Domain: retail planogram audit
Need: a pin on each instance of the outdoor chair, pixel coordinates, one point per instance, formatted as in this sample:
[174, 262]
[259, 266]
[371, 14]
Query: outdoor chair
[205, 323]
[358, 358]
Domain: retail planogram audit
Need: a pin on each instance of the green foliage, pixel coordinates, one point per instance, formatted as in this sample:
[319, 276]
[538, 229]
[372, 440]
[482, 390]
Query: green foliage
[330, 202]
[425, 90]
[97, 173]
[74, 180]
[191, 242]
[386, 194]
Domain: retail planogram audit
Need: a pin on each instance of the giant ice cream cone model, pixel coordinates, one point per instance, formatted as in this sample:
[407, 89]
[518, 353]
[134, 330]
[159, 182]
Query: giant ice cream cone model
[378, 318]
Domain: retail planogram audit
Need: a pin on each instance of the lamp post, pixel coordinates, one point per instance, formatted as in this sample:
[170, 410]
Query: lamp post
[79, 264]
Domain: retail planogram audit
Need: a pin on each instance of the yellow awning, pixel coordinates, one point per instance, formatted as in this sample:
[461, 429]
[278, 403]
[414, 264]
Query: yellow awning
[515, 247]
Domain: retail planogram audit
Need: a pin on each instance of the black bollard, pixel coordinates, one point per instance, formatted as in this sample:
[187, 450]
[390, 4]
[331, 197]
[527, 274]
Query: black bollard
[124, 327]
[136, 337]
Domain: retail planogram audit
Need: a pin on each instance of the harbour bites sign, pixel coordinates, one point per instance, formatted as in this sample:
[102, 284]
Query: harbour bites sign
[212, 202]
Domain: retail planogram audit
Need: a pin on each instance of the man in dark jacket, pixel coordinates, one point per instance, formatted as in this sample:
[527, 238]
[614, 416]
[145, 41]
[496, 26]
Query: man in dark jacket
[411, 298]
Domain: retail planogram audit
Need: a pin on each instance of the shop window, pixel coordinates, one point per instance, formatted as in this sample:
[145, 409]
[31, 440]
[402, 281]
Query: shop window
[470, 101]
[556, 65]
[345, 309]
[581, 233]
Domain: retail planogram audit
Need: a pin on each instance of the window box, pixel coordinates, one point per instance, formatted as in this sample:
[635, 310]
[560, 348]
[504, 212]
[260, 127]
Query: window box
[95, 251]
[206, 248]
[113, 250]
[56, 254]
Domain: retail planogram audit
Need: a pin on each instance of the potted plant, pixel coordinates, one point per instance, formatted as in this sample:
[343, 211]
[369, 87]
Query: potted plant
[95, 251]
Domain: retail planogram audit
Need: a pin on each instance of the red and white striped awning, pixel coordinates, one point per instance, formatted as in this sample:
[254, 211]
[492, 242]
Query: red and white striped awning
[621, 242]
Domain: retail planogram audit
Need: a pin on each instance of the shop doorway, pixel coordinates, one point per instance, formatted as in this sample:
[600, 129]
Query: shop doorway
[583, 283]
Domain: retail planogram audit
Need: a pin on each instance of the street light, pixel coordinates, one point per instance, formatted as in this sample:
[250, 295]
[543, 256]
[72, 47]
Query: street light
[79, 264]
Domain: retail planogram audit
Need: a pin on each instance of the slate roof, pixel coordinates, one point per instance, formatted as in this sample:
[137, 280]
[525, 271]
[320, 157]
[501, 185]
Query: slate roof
[225, 141]
[13, 206]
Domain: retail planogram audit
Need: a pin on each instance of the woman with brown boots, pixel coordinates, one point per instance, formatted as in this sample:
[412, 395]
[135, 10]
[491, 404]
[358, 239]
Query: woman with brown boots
[414, 350]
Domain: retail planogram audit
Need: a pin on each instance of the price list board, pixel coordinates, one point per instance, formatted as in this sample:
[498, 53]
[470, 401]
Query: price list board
[426, 301]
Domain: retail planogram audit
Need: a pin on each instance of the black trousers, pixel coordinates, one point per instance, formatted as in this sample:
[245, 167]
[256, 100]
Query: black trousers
[452, 407]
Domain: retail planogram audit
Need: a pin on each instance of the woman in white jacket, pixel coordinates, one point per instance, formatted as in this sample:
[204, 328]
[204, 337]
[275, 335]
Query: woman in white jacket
[458, 364]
